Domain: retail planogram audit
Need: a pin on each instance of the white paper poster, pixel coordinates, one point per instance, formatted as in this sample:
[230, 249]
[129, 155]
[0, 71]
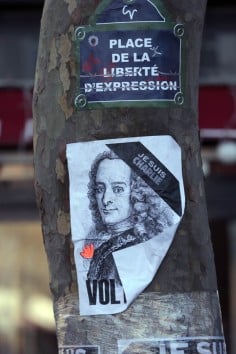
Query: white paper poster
[126, 202]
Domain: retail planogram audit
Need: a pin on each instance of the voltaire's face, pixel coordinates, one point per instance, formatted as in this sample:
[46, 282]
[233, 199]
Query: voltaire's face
[113, 190]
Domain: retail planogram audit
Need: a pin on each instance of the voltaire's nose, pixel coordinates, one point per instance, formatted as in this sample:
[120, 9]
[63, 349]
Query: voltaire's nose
[107, 197]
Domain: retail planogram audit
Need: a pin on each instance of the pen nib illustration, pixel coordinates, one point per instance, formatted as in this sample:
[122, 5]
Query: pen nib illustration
[87, 251]
[125, 11]
[155, 51]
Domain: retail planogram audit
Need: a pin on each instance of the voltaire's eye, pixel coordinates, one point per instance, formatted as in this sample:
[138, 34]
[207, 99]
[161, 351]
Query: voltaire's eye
[118, 189]
[99, 189]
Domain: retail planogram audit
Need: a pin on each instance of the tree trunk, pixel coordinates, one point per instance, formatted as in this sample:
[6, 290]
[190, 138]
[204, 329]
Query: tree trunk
[182, 299]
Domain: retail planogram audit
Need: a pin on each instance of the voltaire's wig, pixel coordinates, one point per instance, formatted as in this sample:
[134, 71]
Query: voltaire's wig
[150, 214]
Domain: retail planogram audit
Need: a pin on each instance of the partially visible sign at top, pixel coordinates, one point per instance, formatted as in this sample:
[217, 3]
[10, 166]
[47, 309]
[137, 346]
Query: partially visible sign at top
[129, 55]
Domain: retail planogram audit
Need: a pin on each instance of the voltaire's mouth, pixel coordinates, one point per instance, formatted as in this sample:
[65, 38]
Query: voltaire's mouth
[107, 211]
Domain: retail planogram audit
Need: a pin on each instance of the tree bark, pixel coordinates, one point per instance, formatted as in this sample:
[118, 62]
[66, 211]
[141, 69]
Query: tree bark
[182, 299]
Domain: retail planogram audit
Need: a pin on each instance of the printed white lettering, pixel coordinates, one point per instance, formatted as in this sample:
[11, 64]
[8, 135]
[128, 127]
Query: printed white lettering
[130, 43]
[119, 72]
[202, 348]
[108, 86]
[99, 87]
[113, 42]
[73, 351]
[116, 85]
[214, 348]
[88, 87]
[162, 348]
[154, 71]
[154, 172]
[125, 86]
[144, 57]
[131, 85]
[130, 71]
[143, 86]
[117, 58]
[176, 348]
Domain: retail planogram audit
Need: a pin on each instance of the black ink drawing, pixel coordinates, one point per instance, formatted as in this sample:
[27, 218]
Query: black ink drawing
[125, 212]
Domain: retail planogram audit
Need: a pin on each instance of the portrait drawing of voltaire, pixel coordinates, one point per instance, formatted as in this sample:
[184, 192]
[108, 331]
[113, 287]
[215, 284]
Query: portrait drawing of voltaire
[125, 212]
